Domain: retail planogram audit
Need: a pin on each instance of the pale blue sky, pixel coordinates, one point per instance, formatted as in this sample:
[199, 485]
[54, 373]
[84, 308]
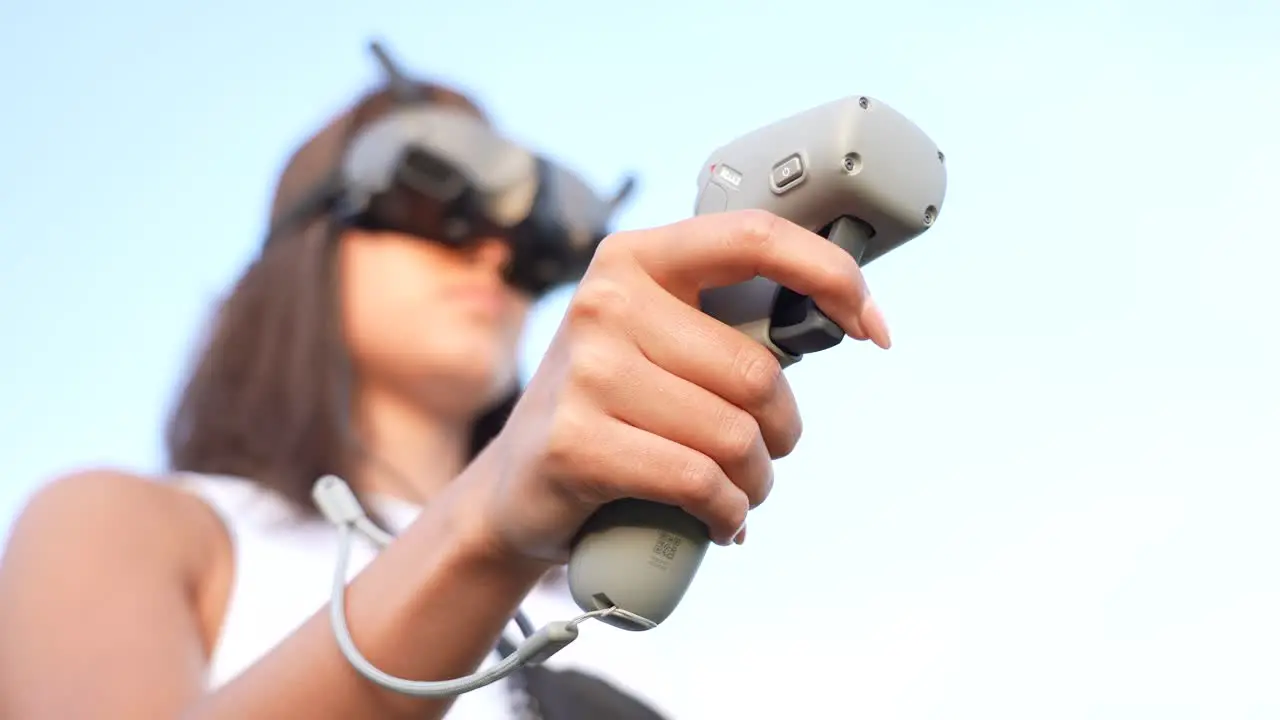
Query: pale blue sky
[1056, 497]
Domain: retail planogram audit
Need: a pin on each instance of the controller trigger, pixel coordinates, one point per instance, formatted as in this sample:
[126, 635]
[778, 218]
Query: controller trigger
[796, 325]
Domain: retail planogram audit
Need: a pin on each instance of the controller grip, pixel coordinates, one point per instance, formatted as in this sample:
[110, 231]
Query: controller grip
[639, 557]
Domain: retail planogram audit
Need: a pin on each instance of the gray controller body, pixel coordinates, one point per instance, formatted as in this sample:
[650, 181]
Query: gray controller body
[855, 171]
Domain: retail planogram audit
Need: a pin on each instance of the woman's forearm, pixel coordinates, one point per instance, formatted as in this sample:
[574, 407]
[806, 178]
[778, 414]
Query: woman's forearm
[429, 607]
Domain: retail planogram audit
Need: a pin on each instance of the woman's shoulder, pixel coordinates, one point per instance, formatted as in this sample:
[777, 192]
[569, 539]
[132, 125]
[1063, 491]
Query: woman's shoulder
[98, 511]
[108, 553]
[116, 493]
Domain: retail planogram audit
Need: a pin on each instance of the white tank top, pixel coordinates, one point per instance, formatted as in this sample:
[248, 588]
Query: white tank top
[284, 571]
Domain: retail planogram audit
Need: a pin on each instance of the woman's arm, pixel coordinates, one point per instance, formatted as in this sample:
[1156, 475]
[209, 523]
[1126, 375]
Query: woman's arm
[102, 612]
[640, 395]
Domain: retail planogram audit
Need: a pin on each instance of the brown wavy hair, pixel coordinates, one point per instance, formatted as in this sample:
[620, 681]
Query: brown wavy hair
[267, 396]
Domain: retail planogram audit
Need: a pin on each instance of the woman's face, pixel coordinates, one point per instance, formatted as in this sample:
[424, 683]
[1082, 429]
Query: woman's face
[435, 324]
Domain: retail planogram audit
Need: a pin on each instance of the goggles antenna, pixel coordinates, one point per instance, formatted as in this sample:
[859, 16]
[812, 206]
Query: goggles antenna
[623, 193]
[402, 89]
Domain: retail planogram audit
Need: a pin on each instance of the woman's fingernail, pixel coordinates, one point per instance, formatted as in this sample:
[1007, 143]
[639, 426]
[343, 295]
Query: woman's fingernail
[873, 323]
[741, 537]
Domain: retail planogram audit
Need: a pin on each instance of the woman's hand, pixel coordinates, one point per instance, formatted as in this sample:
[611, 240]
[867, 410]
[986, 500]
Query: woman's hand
[642, 395]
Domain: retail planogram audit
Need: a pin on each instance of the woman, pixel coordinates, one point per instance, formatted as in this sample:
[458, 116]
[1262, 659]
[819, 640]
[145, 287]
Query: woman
[390, 360]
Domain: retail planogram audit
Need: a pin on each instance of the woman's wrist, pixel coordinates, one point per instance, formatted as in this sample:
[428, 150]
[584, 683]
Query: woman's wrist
[446, 583]
[478, 546]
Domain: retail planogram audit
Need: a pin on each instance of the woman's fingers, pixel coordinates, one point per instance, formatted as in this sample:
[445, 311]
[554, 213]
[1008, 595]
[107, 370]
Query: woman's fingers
[648, 397]
[607, 314]
[722, 360]
[722, 249]
[612, 459]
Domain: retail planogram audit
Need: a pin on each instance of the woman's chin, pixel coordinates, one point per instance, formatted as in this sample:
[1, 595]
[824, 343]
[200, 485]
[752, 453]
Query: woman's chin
[465, 376]
[475, 387]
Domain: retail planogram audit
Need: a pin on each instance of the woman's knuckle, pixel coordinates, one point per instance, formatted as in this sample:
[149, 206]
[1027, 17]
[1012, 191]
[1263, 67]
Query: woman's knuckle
[789, 439]
[591, 365]
[738, 516]
[759, 491]
[835, 276]
[567, 464]
[564, 437]
[598, 300]
[758, 373]
[700, 480]
[756, 227]
[739, 434]
[613, 249]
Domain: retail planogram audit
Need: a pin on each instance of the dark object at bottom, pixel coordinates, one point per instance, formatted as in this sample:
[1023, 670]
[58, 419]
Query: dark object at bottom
[549, 694]
[574, 695]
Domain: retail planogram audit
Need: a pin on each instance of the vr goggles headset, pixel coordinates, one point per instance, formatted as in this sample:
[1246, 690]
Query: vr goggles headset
[440, 173]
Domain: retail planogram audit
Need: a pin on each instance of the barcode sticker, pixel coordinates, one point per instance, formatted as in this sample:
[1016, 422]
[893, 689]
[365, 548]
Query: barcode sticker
[667, 545]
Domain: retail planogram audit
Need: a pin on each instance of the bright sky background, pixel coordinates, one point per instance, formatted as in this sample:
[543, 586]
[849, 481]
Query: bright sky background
[1056, 497]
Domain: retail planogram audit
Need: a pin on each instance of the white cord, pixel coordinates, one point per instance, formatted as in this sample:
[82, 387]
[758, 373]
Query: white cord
[339, 504]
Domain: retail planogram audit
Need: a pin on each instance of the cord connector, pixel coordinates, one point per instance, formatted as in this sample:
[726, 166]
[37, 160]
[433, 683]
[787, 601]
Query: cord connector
[549, 640]
[337, 501]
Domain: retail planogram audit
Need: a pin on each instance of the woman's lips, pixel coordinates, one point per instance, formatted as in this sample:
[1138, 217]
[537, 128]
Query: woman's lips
[488, 300]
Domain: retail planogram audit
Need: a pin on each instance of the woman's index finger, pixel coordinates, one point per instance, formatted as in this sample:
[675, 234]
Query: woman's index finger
[722, 249]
